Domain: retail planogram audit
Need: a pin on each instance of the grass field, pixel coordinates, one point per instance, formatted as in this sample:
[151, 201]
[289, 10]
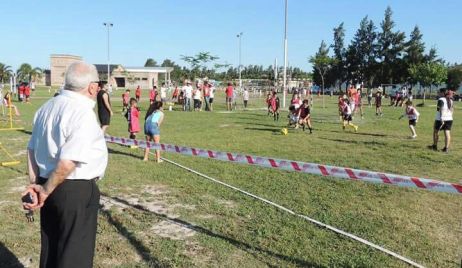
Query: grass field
[157, 215]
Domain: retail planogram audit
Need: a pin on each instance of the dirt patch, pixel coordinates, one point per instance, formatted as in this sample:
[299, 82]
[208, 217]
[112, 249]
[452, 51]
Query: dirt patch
[226, 203]
[200, 255]
[173, 230]
[153, 199]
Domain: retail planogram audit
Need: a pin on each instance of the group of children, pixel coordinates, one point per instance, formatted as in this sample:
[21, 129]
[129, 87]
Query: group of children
[153, 119]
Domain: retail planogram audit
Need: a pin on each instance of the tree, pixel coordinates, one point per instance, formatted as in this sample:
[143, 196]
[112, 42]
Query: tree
[391, 47]
[428, 74]
[322, 63]
[27, 73]
[415, 49]
[454, 79]
[5, 72]
[339, 70]
[150, 63]
[362, 53]
[199, 62]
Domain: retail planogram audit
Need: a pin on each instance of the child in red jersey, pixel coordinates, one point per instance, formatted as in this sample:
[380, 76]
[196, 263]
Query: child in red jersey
[125, 100]
[138, 93]
[304, 115]
[413, 115]
[21, 92]
[27, 93]
[133, 117]
[152, 95]
[274, 102]
[378, 103]
[268, 103]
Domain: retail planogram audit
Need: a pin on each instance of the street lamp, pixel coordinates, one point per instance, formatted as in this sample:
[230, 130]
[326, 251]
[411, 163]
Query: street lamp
[284, 81]
[239, 35]
[108, 25]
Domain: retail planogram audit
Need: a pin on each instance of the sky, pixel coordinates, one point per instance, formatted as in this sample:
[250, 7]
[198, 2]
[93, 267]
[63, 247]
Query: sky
[31, 30]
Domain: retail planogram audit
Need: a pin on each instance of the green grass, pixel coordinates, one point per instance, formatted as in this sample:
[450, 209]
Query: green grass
[230, 229]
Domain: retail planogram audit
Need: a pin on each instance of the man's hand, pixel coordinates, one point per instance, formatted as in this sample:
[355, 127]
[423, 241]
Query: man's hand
[38, 194]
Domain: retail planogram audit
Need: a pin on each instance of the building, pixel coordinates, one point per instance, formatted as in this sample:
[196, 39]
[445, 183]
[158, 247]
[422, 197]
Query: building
[121, 77]
[58, 67]
[131, 77]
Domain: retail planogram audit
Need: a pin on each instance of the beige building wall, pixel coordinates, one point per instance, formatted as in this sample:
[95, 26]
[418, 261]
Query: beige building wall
[58, 67]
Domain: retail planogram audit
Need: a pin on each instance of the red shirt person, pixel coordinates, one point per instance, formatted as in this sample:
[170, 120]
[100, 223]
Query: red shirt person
[229, 96]
[138, 93]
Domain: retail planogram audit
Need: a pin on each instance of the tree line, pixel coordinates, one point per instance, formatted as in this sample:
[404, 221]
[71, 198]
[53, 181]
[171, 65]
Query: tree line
[25, 73]
[204, 64]
[381, 55]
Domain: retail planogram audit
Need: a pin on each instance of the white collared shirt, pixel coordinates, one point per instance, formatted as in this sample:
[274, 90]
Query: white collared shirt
[66, 128]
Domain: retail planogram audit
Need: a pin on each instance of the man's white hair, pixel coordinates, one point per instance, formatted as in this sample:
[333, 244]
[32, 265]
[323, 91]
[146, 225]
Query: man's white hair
[79, 75]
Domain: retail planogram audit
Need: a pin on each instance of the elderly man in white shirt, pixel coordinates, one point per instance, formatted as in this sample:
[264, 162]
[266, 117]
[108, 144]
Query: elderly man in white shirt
[66, 155]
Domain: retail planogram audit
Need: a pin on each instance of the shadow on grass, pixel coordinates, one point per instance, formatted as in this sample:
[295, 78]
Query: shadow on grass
[357, 133]
[15, 170]
[239, 244]
[26, 131]
[112, 151]
[368, 143]
[260, 129]
[7, 258]
[256, 124]
[142, 250]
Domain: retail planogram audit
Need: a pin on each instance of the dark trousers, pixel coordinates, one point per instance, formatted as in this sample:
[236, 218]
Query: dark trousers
[68, 223]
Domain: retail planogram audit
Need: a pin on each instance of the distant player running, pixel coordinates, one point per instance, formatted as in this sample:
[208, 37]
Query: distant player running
[346, 113]
[304, 115]
[413, 116]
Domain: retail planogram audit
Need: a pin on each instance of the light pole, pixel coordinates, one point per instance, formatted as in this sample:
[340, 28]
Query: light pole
[284, 81]
[240, 80]
[108, 25]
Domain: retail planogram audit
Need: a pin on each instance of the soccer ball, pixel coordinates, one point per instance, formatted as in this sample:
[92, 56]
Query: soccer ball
[284, 131]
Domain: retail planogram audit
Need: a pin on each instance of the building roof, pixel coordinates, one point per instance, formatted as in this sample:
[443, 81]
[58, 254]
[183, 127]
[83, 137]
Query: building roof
[65, 56]
[149, 69]
[102, 68]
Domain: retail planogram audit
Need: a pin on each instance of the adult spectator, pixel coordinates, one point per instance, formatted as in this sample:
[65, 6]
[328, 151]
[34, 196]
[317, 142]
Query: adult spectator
[443, 119]
[229, 96]
[163, 93]
[197, 98]
[66, 155]
[104, 108]
[245, 96]
[187, 94]
[206, 90]
[211, 95]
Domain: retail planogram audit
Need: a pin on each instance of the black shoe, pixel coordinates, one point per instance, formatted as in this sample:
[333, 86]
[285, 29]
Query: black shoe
[433, 147]
[445, 150]
[303, 127]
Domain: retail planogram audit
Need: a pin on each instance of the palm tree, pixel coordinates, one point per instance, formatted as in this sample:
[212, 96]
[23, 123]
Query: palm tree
[26, 72]
[5, 72]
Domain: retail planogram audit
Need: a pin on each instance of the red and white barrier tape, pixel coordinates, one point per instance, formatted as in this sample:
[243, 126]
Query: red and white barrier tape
[311, 168]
